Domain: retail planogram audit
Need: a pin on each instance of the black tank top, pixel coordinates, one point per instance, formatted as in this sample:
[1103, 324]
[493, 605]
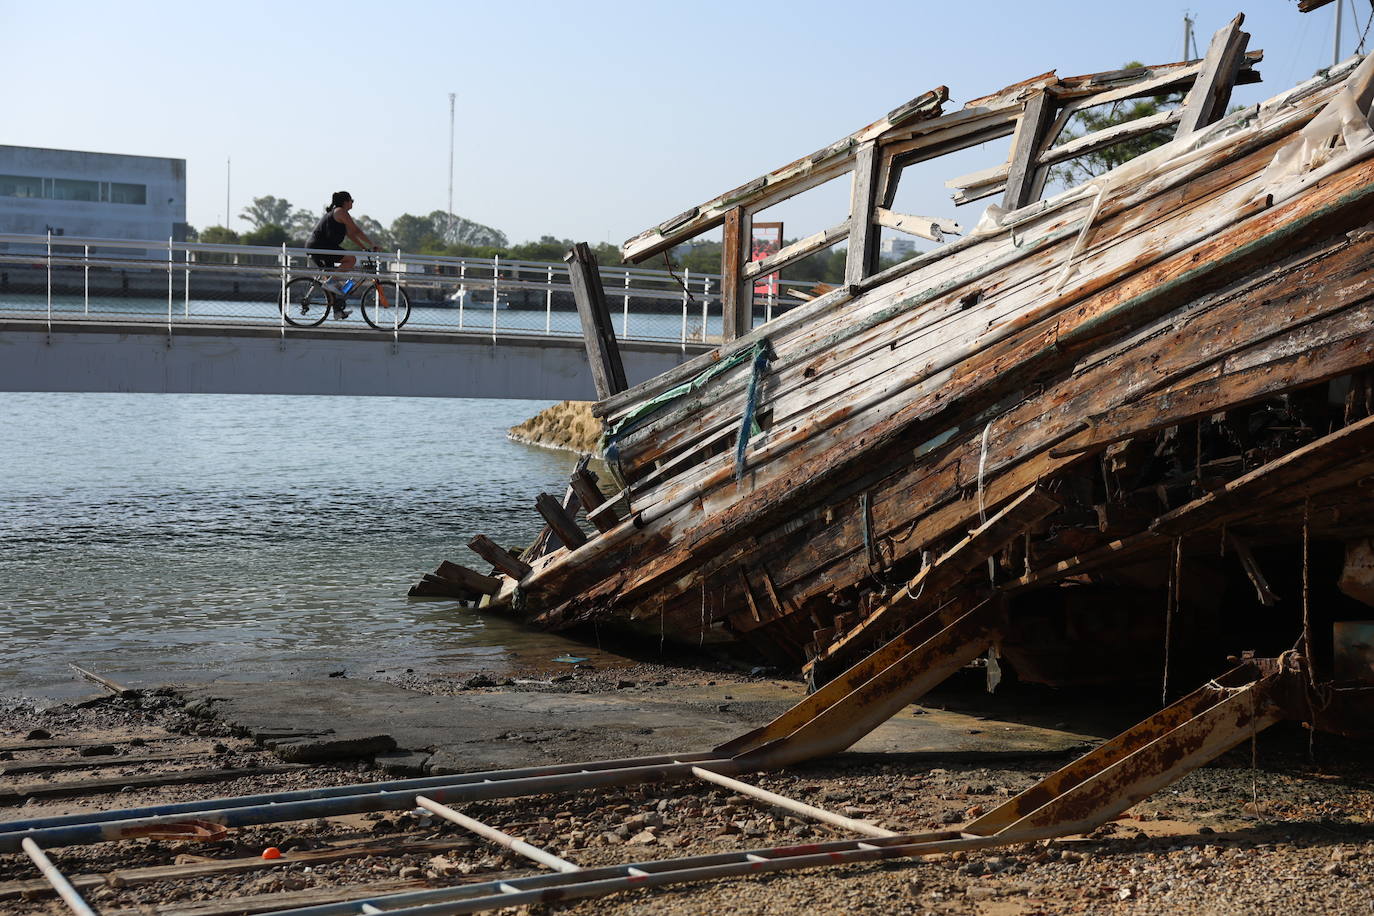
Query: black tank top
[329, 233]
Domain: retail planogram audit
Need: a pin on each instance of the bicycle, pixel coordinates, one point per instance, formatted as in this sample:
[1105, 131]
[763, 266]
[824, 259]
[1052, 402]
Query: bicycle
[307, 303]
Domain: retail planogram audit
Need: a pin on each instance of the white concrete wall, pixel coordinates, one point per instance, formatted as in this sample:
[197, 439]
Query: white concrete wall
[88, 356]
[163, 216]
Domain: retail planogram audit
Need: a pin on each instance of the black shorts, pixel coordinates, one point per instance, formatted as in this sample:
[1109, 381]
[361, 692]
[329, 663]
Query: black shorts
[326, 260]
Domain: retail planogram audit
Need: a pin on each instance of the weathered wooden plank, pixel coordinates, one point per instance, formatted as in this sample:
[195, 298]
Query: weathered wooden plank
[499, 557]
[467, 578]
[1029, 132]
[934, 228]
[862, 258]
[1207, 100]
[736, 293]
[562, 523]
[790, 254]
[603, 353]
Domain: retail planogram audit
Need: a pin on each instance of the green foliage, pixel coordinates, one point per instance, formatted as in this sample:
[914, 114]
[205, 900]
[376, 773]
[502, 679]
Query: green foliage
[373, 230]
[269, 210]
[1091, 120]
[271, 236]
[219, 235]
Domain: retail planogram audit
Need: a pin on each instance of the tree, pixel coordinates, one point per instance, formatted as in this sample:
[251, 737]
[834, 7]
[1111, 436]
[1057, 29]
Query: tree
[374, 230]
[269, 236]
[219, 235]
[302, 224]
[1091, 120]
[453, 229]
[547, 248]
[264, 211]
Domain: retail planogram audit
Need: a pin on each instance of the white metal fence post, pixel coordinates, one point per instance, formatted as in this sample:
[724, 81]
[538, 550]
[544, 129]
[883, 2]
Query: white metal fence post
[86, 278]
[495, 291]
[548, 301]
[705, 299]
[49, 281]
[625, 309]
[170, 284]
[462, 291]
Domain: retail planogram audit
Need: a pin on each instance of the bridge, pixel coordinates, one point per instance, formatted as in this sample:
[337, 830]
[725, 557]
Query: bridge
[100, 315]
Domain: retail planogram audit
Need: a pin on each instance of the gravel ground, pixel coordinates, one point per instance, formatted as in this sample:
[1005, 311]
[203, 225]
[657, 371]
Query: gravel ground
[1287, 832]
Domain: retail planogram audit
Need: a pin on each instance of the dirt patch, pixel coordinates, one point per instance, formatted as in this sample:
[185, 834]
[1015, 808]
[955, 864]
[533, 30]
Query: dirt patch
[568, 425]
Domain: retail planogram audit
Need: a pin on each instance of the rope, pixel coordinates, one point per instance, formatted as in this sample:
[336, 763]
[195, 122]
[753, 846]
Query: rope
[1170, 606]
[748, 426]
[668, 265]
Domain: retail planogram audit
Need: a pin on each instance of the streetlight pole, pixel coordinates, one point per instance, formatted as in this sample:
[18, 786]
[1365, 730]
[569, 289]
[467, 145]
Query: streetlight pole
[450, 166]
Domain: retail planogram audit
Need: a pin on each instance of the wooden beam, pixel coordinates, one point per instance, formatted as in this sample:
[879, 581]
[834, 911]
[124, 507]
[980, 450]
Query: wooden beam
[1207, 100]
[930, 584]
[563, 524]
[467, 578]
[934, 228]
[583, 483]
[736, 291]
[780, 184]
[862, 259]
[608, 372]
[1025, 149]
[797, 251]
[499, 557]
[1333, 461]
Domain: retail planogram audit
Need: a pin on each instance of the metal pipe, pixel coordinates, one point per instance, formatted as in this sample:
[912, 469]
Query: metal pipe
[58, 880]
[609, 879]
[169, 287]
[86, 279]
[789, 804]
[326, 802]
[486, 831]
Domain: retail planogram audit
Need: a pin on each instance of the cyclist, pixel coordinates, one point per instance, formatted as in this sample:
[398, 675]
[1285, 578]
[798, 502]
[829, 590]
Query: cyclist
[330, 231]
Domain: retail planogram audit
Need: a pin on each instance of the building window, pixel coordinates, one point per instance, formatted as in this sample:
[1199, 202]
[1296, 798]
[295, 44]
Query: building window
[73, 189]
[128, 193]
[20, 186]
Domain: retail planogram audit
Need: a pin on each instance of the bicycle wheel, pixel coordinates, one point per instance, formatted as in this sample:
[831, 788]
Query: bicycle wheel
[305, 304]
[388, 311]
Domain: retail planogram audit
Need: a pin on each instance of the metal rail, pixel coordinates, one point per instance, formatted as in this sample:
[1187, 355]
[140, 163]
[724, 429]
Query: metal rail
[66, 277]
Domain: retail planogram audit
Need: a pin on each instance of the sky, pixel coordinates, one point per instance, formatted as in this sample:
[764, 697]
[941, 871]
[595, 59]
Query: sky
[588, 121]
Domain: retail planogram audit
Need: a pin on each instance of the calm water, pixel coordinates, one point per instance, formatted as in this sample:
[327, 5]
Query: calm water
[159, 538]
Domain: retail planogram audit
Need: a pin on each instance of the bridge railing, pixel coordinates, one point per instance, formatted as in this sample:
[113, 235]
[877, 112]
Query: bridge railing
[65, 277]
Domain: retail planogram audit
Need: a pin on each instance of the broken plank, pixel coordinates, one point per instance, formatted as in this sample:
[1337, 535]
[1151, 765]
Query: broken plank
[1038, 113]
[498, 556]
[562, 523]
[1211, 92]
[603, 352]
[467, 578]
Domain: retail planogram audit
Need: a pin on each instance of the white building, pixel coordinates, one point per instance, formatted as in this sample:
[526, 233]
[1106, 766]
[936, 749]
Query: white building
[897, 247]
[91, 195]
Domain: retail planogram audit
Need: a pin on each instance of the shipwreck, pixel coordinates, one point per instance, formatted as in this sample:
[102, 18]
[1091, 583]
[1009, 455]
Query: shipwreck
[1126, 427]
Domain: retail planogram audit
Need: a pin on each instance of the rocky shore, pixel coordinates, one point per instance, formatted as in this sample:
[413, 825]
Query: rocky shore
[1281, 831]
[567, 425]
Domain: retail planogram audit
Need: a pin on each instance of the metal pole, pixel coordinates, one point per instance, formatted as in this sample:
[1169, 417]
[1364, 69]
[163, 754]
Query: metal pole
[86, 279]
[625, 320]
[451, 97]
[705, 298]
[169, 284]
[227, 172]
[50, 280]
[58, 880]
[520, 847]
[548, 301]
[790, 804]
[1336, 42]
[186, 284]
[462, 291]
[495, 287]
[282, 318]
